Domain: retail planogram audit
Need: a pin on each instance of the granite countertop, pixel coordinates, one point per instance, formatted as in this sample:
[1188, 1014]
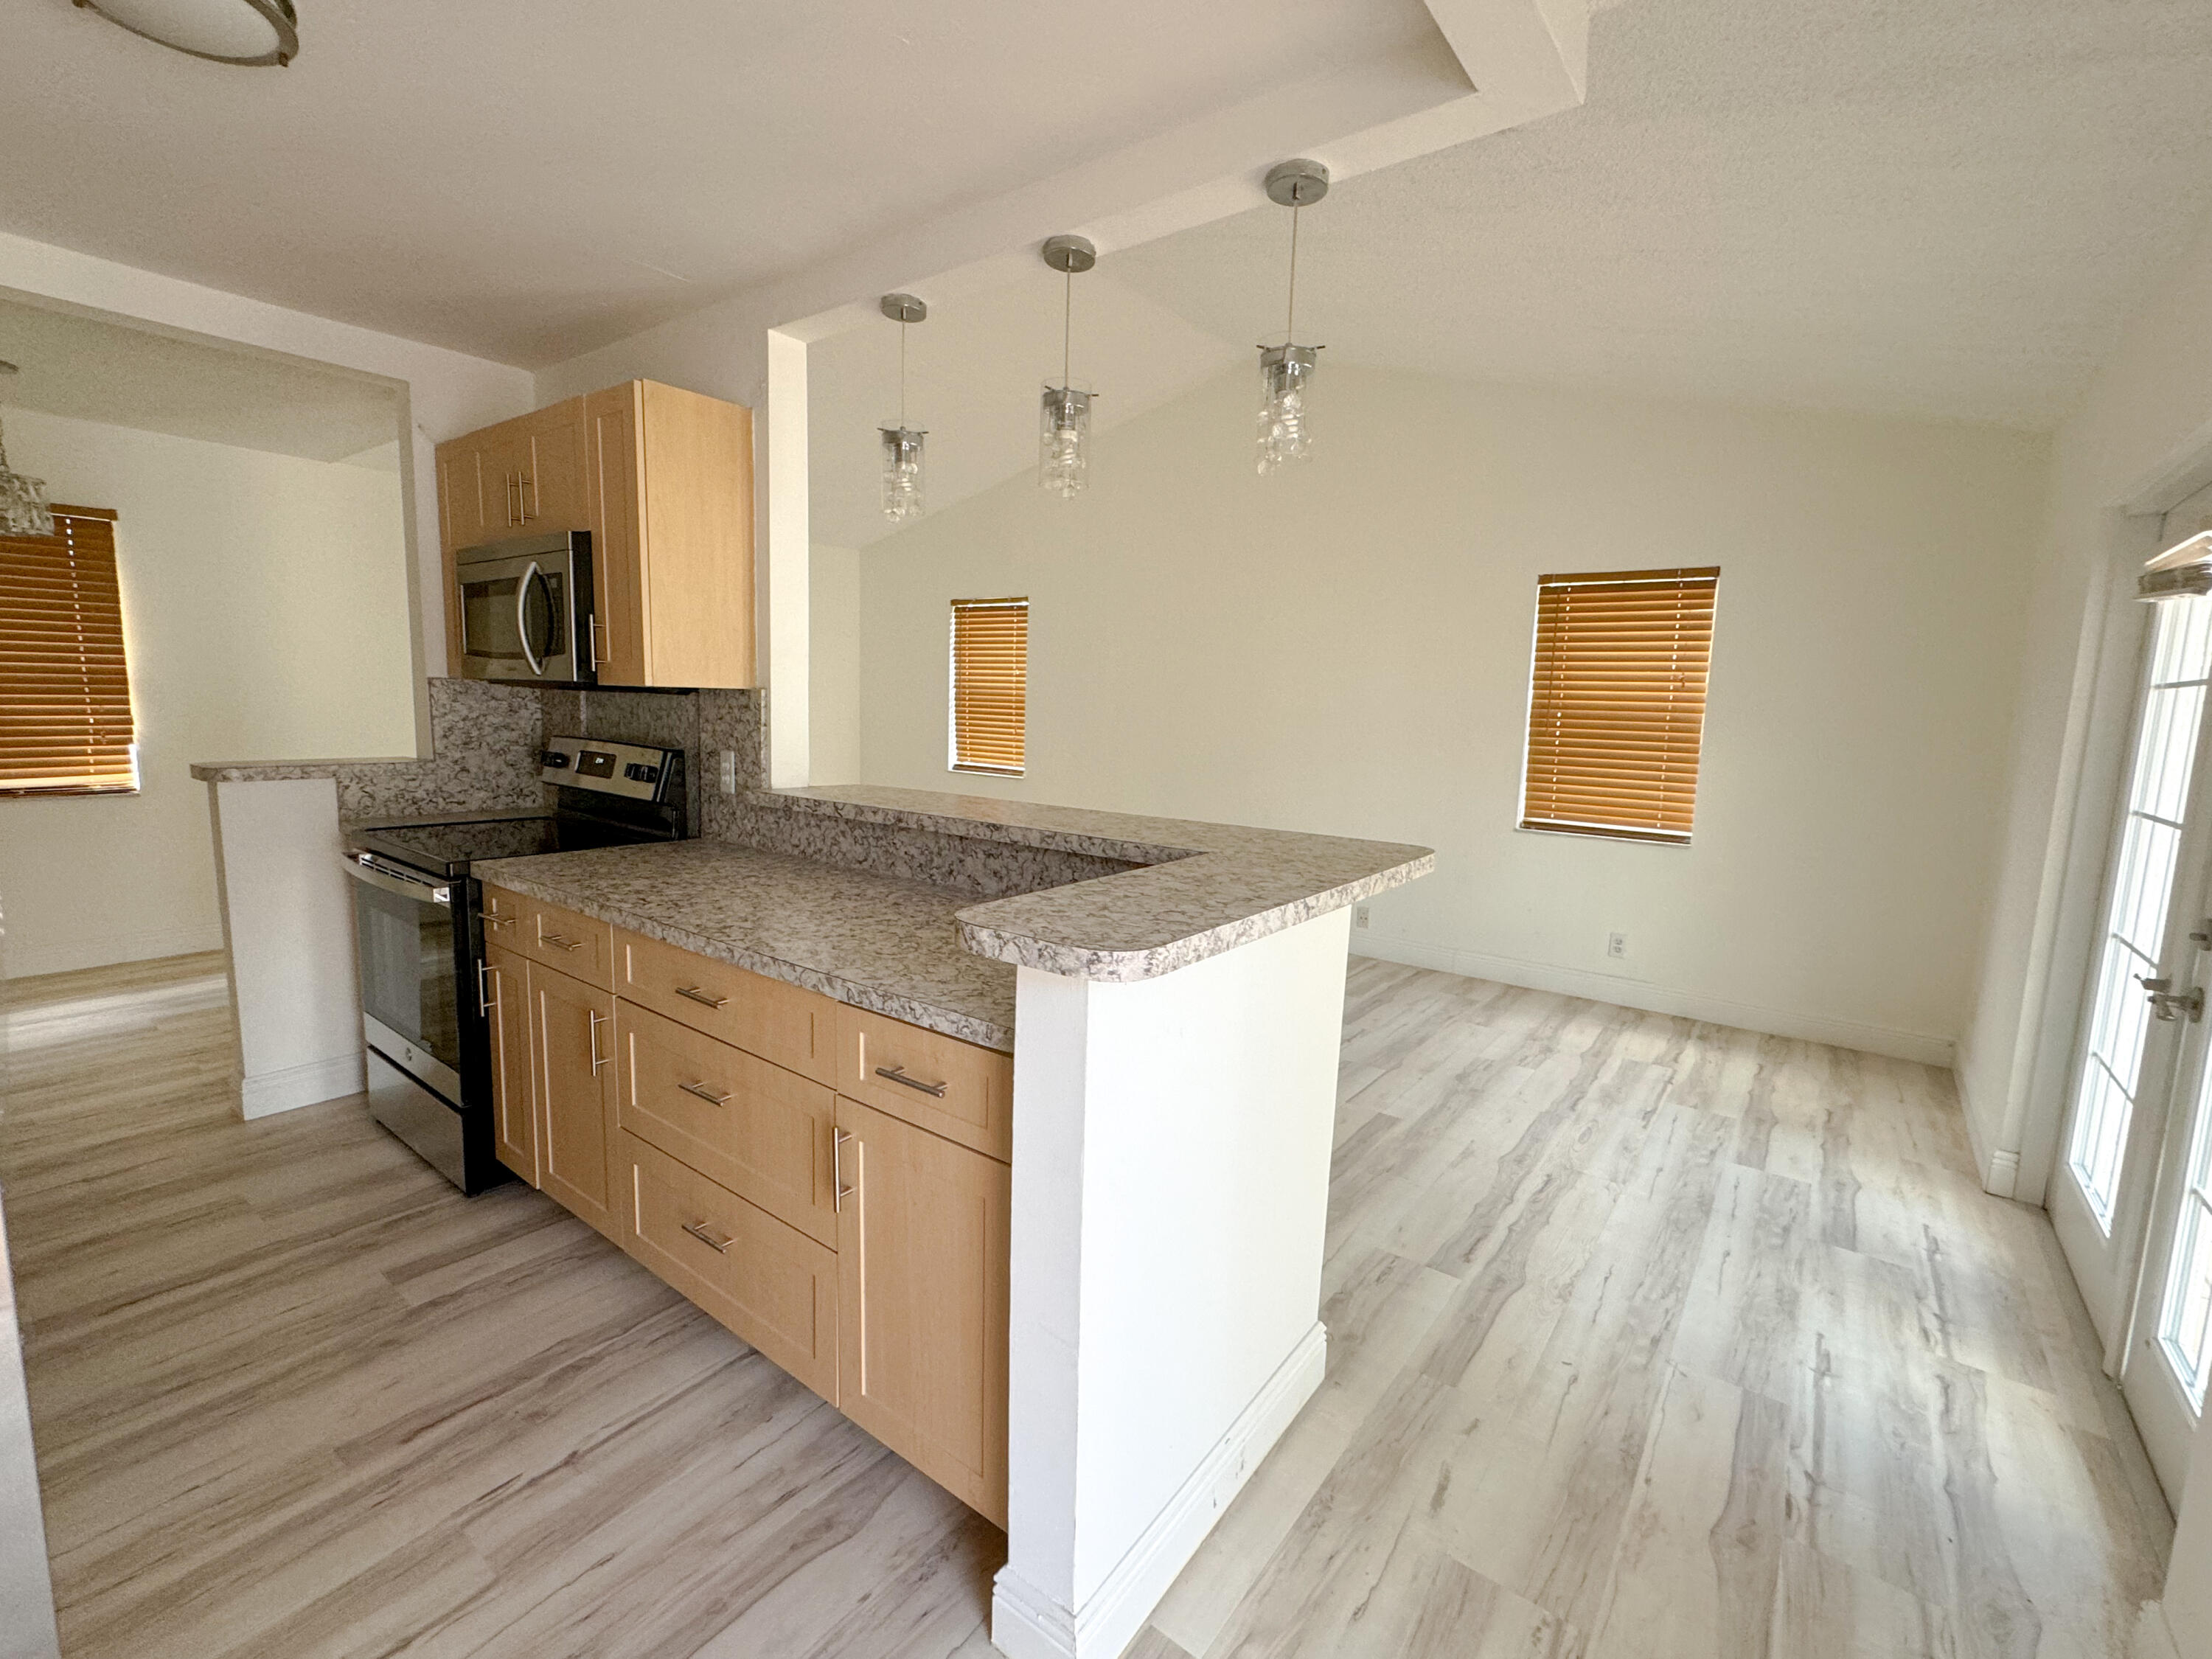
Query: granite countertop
[1199, 888]
[887, 945]
[287, 771]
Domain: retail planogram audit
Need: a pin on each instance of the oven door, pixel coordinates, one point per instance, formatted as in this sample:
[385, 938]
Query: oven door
[403, 927]
[526, 606]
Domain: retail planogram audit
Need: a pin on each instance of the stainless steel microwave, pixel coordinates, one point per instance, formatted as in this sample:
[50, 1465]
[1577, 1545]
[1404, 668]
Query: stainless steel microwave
[526, 609]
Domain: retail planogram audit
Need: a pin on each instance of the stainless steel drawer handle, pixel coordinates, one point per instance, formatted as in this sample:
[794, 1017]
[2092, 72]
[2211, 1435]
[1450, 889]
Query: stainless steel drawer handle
[841, 1191]
[598, 1020]
[699, 996]
[897, 1074]
[698, 1230]
[560, 941]
[704, 1093]
[485, 1001]
[499, 922]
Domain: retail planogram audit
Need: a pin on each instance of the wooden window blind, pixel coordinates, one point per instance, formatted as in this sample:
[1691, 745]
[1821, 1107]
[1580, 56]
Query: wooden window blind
[990, 684]
[1617, 703]
[66, 725]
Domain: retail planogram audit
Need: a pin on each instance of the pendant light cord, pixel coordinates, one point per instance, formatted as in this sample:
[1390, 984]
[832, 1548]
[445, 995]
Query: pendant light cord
[1290, 310]
[902, 374]
[1066, 325]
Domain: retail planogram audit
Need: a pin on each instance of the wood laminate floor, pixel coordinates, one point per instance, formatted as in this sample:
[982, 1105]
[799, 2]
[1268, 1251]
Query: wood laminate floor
[1647, 1338]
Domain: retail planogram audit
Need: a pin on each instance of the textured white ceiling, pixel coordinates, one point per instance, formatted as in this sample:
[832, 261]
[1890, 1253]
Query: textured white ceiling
[93, 370]
[524, 180]
[1942, 209]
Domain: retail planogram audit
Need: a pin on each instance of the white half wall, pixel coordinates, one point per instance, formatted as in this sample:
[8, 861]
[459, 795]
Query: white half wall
[1344, 647]
[834, 666]
[2141, 442]
[265, 615]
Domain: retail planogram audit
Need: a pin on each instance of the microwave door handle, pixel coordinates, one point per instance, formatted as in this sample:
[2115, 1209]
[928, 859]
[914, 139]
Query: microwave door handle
[522, 619]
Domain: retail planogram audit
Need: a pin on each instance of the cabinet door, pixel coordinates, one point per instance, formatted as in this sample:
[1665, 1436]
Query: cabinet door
[922, 1298]
[514, 1114]
[502, 454]
[573, 1053]
[613, 468]
[549, 457]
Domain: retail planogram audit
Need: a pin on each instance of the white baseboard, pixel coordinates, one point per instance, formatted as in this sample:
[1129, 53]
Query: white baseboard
[2154, 1635]
[1915, 1046]
[292, 1086]
[1028, 1623]
[26, 959]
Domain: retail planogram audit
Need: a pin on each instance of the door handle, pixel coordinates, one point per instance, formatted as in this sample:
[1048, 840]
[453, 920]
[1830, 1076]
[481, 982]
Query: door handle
[837, 1140]
[704, 1093]
[484, 1004]
[526, 481]
[897, 1074]
[597, 1017]
[2166, 1003]
[514, 499]
[522, 619]
[698, 1230]
[701, 997]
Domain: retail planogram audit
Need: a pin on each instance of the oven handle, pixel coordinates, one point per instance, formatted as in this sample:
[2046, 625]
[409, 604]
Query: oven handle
[522, 617]
[362, 867]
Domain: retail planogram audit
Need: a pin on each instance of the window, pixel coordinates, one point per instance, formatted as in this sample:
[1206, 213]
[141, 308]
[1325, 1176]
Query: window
[990, 684]
[1617, 703]
[65, 727]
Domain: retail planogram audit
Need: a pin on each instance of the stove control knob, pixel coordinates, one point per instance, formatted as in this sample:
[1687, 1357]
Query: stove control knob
[638, 772]
[553, 758]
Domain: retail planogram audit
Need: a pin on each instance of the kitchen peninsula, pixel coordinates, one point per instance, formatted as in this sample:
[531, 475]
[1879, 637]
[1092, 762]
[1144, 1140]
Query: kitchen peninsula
[1107, 1307]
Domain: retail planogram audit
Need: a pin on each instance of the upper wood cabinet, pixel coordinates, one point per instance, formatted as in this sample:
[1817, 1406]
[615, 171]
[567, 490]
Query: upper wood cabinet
[662, 479]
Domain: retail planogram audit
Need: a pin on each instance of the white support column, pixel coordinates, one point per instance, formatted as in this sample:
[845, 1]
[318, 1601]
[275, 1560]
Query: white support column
[1171, 1194]
[790, 555]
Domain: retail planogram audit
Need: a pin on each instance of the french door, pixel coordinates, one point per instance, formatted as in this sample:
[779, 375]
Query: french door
[2133, 1200]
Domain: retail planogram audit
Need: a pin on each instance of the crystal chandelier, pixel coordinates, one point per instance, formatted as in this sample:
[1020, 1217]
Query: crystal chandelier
[1064, 419]
[902, 443]
[1286, 369]
[23, 510]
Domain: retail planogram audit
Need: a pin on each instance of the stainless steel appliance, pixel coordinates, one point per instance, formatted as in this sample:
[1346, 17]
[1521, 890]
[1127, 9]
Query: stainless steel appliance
[419, 932]
[526, 610]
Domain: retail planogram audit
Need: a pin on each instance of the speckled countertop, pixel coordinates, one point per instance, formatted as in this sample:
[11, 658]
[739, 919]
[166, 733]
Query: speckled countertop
[1200, 889]
[891, 946]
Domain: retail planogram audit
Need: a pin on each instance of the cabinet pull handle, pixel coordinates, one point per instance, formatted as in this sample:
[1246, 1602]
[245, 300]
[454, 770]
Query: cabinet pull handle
[527, 481]
[597, 1061]
[484, 1004]
[837, 1140]
[592, 622]
[499, 922]
[560, 941]
[699, 996]
[897, 1074]
[514, 494]
[704, 1093]
[698, 1230]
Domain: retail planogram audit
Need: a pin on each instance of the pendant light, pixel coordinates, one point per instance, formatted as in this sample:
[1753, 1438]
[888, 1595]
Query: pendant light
[248, 33]
[1064, 423]
[1286, 369]
[902, 443]
[23, 509]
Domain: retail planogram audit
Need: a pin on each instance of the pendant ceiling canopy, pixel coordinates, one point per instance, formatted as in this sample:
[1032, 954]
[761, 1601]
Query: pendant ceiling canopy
[248, 33]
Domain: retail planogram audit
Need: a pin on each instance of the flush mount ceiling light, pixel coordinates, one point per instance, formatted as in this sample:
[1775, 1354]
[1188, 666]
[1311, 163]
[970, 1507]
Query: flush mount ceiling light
[902, 443]
[1285, 370]
[247, 32]
[23, 510]
[1064, 429]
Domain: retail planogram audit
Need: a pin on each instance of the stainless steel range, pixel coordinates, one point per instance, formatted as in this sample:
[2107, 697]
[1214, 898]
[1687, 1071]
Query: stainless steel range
[419, 933]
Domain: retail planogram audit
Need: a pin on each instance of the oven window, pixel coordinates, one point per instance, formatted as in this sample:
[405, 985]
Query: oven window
[407, 978]
[491, 627]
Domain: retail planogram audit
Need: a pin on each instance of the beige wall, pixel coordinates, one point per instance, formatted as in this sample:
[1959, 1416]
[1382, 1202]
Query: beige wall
[1345, 648]
[834, 664]
[265, 611]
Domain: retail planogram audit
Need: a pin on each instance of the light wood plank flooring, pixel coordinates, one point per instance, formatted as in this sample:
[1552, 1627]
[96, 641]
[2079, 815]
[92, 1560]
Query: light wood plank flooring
[1646, 1338]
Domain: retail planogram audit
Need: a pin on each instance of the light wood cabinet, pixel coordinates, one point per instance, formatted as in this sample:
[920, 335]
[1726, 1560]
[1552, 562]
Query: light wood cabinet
[662, 479]
[921, 1295]
[759, 1130]
[779, 1022]
[949, 1087]
[571, 1059]
[770, 1284]
[506, 991]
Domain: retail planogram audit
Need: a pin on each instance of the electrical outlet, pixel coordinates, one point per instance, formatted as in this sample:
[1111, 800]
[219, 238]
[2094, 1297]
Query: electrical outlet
[1359, 916]
[729, 771]
[1616, 946]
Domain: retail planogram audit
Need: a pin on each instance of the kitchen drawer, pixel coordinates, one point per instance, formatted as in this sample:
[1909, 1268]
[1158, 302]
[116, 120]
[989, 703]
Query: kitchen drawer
[562, 939]
[935, 1082]
[759, 1130]
[764, 1015]
[770, 1284]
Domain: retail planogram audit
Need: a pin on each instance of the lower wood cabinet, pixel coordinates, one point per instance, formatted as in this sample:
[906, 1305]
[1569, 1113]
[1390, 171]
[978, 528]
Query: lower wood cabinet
[572, 1031]
[921, 1293]
[770, 1284]
[505, 991]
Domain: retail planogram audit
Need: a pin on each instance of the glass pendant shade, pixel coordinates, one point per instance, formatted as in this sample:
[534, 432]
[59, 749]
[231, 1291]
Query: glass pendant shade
[901, 472]
[23, 509]
[1064, 441]
[246, 32]
[1285, 371]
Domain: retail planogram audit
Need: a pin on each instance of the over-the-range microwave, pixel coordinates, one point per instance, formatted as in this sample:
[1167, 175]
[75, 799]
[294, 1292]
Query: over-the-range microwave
[526, 610]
